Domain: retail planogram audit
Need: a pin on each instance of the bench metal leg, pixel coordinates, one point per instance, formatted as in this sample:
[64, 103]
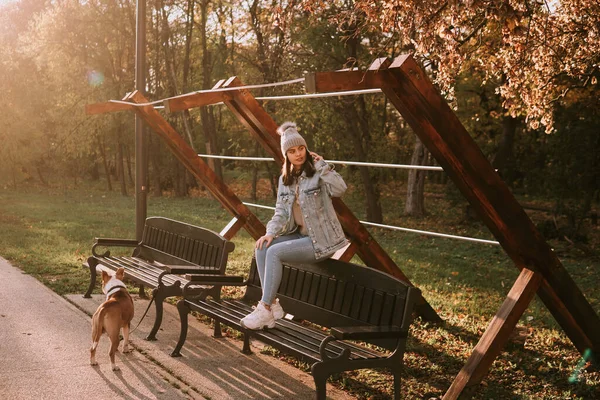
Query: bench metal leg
[246, 347]
[397, 383]
[142, 292]
[183, 320]
[217, 332]
[92, 263]
[320, 375]
[215, 293]
[396, 363]
[160, 294]
[158, 313]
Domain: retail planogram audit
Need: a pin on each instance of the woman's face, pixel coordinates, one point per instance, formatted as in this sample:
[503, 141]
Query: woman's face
[297, 155]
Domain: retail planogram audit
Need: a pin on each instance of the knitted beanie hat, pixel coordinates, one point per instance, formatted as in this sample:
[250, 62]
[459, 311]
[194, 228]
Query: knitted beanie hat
[290, 137]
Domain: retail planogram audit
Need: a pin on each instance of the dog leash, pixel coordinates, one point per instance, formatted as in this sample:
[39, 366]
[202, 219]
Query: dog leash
[143, 316]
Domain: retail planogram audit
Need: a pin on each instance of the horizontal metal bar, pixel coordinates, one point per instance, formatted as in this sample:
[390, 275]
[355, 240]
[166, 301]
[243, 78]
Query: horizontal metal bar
[359, 163]
[397, 228]
[236, 158]
[284, 97]
[381, 165]
[259, 206]
[317, 95]
[444, 235]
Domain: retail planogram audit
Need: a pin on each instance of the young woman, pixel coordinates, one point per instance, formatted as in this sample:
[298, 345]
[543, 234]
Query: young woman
[304, 229]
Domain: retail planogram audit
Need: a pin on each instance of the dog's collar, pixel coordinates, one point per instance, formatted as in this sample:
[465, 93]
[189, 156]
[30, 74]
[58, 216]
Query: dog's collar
[113, 287]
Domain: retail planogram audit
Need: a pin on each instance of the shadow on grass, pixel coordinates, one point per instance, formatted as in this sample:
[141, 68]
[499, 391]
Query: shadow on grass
[436, 354]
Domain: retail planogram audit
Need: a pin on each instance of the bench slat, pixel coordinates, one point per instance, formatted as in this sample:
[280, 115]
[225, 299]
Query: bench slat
[315, 334]
[298, 338]
[130, 270]
[290, 337]
[231, 316]
[139, 269]
[216, 311]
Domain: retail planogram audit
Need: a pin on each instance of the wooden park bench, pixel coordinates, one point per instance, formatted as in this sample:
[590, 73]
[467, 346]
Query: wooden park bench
[165, 243]
[356, 303]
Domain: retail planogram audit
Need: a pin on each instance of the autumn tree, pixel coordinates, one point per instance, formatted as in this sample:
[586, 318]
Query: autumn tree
[538, 51]
[538, 56]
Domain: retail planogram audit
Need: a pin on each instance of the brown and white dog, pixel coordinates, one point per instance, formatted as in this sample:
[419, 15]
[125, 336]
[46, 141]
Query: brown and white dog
[112, 315]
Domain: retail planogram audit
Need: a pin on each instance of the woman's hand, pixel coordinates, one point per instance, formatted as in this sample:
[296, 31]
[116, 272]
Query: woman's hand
[315, 156]
[264, 240]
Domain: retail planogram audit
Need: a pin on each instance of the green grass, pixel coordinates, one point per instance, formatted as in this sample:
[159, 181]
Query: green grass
[48, 233]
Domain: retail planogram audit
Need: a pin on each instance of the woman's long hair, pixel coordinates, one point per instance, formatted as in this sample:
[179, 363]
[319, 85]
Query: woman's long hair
[287, 174]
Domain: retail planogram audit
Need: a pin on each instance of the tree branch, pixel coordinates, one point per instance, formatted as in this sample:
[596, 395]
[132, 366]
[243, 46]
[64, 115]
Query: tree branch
[475, 31]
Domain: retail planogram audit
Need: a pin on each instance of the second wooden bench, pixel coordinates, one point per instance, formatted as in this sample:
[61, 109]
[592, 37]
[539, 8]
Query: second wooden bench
[165, 243]
[353, 302]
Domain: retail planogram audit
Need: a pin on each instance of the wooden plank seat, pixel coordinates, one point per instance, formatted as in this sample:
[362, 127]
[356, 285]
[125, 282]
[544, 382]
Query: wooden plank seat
[165, 243]
[356, 303]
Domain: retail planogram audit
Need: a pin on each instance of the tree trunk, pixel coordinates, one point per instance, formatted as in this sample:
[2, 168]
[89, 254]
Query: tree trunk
[95, 168]
[253, 194]
[128, 161]
[121, 168]
[170, 66]
[105, 163]
[39, 168]
[189, 30]
[358, 123]
[358, 128]
[207, 116]
[415, 197]
[232, 44]
[14, 176]
[181, 180]
[154, 160]
[374, 211]
[274, 180]
[504, 157]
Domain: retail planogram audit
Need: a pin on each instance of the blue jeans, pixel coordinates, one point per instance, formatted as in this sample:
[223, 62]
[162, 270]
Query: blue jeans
[293, 248]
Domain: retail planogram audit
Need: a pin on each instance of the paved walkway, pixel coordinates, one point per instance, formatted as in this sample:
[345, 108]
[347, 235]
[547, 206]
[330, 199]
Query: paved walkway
[44, 348]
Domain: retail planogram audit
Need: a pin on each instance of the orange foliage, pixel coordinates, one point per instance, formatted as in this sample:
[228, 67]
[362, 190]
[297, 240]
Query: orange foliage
[536, 51]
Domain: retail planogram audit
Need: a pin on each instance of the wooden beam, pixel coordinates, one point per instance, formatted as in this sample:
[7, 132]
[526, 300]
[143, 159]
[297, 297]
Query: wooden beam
[345, 254]
[381, 63]
[430, 117]
[107, 107]
[264, 129]
[549, 294]
[496, 335]
[258, 122]
[232, 228]
[190, 159]
[340, 81]
[192, 100]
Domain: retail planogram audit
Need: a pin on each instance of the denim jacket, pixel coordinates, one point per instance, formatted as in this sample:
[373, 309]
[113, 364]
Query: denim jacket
[315, 203]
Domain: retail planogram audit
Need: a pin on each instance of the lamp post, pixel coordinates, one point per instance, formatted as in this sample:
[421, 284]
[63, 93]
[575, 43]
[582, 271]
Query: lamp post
[141, 163]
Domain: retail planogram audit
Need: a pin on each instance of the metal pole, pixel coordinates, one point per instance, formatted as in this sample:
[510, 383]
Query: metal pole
[141, 165]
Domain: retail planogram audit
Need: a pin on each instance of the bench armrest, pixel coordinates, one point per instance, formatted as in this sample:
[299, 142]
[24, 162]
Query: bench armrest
[109, 242]
[195, 274]
[116, 242]
[368, 332]
[185, 269]
[208, 279]
[200, 286]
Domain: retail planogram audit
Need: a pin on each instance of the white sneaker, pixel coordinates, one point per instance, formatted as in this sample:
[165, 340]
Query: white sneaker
[259, 318]
[277, 310]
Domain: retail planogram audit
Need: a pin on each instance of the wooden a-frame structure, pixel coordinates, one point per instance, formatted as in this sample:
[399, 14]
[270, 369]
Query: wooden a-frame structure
[422, 106]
